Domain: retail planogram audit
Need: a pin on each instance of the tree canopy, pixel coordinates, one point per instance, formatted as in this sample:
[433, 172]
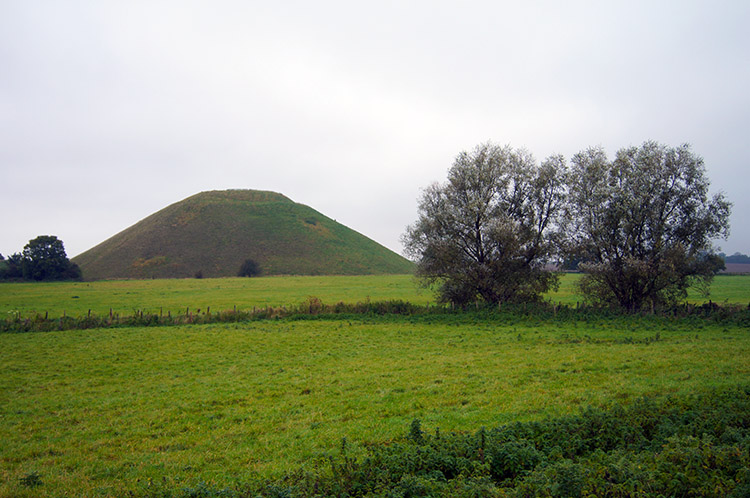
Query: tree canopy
[43, 258]
[643, 224]
[249, 268]
[485, 234]
[640, 227]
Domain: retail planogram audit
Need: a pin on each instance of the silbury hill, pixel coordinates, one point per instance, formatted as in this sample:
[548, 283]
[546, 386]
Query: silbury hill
[212, 234]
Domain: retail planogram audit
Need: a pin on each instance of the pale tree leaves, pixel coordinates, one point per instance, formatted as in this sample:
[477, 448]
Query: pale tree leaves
[641, 225]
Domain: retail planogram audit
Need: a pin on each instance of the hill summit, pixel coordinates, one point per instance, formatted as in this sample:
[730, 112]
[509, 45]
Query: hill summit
[212, 233]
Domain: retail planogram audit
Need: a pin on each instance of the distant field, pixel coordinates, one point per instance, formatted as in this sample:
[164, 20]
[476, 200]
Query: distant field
[174, 296]
[727, 289]
[99, 412]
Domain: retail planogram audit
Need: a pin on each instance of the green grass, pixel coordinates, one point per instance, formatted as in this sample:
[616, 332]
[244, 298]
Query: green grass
[125, 296]
[176, 295]
[95, 411]
[727, 289]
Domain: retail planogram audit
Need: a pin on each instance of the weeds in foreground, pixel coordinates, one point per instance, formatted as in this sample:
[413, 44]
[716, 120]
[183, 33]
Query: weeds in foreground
[31, 480]
[675, 446]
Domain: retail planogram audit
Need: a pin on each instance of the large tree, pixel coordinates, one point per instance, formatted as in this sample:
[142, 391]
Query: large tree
[44, 258]
[643, 224]
[485, 234]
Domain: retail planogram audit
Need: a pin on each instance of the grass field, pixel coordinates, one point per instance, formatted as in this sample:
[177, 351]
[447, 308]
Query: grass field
[177, 295]
[94, 411]
[99, 412]
[125, 296]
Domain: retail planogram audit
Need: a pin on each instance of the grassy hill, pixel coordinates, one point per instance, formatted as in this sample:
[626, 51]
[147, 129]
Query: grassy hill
[214, 232]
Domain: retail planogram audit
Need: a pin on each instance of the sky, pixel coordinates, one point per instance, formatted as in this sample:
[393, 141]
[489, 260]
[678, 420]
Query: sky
[112, 110]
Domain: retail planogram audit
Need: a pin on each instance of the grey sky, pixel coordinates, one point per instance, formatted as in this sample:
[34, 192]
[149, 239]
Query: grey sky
[112, 110]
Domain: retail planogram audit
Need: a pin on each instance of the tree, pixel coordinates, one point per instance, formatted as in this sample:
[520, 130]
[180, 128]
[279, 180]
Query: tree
[12, 269]
[486, 234]
[249, 268]
[642, 224]
[737, 257]
[44, 258]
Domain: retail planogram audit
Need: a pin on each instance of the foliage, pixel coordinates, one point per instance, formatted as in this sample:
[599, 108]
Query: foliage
[643, 224]
[673, 446]
[736, 258]
[249, 268]
[42, 259]
[486, 233]
[12, 268]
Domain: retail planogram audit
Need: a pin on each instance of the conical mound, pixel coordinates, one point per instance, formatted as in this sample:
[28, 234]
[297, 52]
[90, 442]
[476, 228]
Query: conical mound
[212, 233]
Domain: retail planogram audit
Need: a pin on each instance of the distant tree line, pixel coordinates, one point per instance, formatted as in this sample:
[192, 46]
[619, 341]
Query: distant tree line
[736, 258]
[42, 259]
[639, 226]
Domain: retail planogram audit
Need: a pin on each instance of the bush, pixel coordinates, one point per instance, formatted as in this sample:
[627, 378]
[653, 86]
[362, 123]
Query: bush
[689, 446]
[249, 268]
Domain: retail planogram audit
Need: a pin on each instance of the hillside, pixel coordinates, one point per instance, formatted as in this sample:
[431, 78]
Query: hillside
[214, 232]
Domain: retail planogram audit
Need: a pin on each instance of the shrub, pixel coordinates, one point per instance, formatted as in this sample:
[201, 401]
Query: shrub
[249, 268]
[689, 446]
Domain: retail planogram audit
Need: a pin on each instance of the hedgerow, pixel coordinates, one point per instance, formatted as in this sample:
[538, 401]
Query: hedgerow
[313, 308]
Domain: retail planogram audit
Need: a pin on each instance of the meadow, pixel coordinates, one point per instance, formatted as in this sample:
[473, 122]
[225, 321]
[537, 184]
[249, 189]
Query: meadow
[102, 412]
[176, 296]
[220, 294]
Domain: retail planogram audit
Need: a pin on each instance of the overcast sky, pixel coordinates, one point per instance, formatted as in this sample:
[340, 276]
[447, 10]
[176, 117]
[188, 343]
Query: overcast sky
[112, 110]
